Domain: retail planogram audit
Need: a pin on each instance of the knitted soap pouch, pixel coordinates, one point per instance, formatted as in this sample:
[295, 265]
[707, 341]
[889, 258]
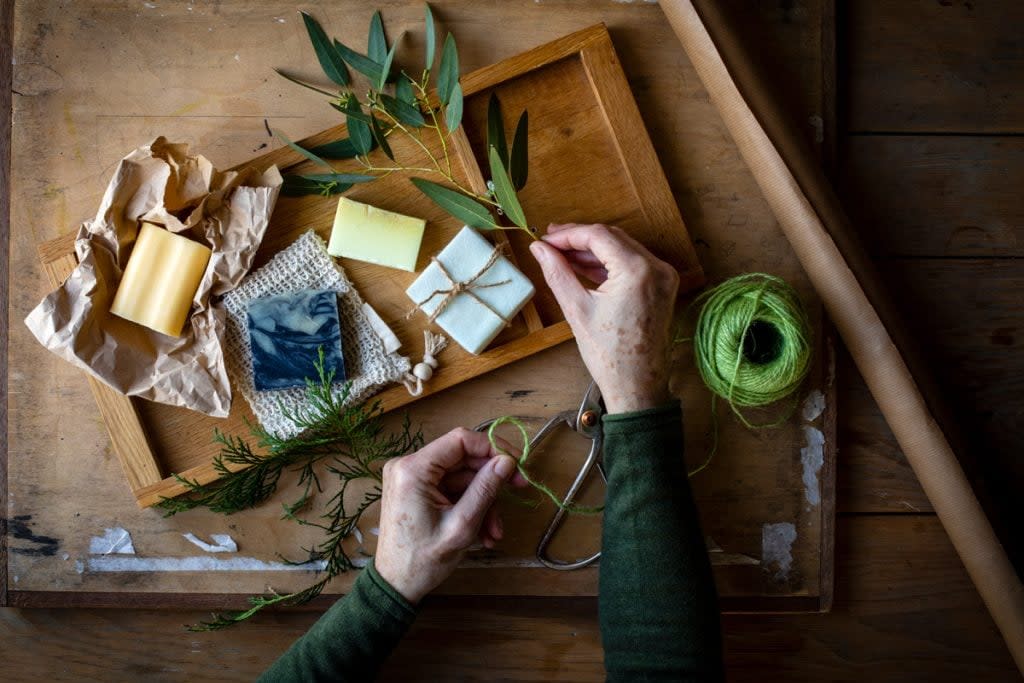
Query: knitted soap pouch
[371, 361]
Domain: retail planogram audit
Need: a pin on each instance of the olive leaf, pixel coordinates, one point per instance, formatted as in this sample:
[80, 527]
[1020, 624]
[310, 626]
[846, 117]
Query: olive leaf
[360, 63]
[430, 36]
[339, 149]
[504, 192]
[469, 211]
[300, 186]
[406, 113]
[297, 81]
[453, 112]
[381, 139]
[518, 163]
[496, 128]
[403, 90]
[376, 43]
[385, 69]
[330, 61]
[358, 127]
[448, 73]
[301, 150]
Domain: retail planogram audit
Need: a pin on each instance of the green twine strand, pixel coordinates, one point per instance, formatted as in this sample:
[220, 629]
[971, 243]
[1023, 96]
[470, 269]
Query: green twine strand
[752, 342]
[521, 466]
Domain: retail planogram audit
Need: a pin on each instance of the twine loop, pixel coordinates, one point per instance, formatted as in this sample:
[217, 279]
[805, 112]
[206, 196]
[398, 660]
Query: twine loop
[468, 287]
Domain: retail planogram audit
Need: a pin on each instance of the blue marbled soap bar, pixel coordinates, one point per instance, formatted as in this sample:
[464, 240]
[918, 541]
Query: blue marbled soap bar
[285, 332]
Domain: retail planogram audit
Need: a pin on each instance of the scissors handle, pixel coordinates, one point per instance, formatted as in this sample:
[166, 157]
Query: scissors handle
[593, 460]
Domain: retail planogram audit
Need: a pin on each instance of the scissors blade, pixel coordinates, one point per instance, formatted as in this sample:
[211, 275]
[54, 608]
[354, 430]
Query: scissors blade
[588, 417]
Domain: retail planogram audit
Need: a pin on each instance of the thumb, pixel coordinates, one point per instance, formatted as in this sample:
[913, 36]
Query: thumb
[483, 490]
[560, 276]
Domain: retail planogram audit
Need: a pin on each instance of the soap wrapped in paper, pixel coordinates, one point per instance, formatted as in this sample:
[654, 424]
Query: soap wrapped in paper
[471, 290]
[161, 183]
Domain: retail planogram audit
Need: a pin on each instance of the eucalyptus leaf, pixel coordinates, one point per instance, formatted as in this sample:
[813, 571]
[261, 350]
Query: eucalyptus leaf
[518, 164]
[376, 43]
[403, 91]
[301, 150]
[381, 139]
[360, 63]
[301, 186]
[339, 149]
[358, 127]
[453, 112]
[297, 81]
[343, 178]
[496, 128]
[430, 36]
[504, 192]
[406, 113]
[469, 211]
[448, 73]
[330, 61]
[385, 69]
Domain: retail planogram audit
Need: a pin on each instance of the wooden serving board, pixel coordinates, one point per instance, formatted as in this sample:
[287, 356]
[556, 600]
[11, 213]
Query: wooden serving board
[590, 161]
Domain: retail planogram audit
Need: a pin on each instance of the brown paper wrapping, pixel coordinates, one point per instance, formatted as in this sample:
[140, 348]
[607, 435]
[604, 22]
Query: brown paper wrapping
[160, 183]
[853, 300]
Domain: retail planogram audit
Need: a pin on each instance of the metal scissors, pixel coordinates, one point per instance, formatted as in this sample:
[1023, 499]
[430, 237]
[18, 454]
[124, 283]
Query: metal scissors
[585, 421]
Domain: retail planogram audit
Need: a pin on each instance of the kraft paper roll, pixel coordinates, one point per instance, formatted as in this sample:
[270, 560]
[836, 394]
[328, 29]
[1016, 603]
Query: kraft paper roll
[831, 262]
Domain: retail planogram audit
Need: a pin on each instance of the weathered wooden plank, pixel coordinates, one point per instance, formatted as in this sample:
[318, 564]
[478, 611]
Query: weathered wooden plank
[936, 195]
[905, 610]
[968, 315]
[922, 65]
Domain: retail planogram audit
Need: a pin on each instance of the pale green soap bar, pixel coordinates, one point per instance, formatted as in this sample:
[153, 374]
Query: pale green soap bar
[366, 233]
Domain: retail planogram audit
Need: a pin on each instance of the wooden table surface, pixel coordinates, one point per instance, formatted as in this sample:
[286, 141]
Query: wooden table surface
[927, 156]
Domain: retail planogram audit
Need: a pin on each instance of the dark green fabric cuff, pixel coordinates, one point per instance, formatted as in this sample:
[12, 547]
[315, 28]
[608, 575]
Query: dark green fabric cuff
[643, 420]
[383, 593]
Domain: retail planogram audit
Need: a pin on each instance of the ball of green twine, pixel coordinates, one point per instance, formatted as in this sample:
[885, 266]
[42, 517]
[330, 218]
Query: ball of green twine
[752, 340]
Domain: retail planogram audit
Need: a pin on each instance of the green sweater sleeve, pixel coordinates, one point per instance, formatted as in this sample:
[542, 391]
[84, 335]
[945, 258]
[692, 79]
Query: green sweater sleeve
[352, 639]
[658, 606]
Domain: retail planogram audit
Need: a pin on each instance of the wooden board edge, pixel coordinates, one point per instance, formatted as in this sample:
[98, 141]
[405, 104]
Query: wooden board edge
[829, 469]
[6, 76]
[127, 433]
[231, 601]
[531, 60]
[608, 81]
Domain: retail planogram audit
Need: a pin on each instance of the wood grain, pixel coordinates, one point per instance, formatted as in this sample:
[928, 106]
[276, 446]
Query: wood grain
[905, 611]
[936, 195]
[6, 38]
[957, 70]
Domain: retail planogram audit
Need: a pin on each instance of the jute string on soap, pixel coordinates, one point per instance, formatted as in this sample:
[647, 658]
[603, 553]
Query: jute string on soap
[468, 286]
[752, 346]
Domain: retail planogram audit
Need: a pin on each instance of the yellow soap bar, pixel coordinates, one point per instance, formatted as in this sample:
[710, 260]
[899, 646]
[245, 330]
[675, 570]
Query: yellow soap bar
[162, 276]
[366, 233]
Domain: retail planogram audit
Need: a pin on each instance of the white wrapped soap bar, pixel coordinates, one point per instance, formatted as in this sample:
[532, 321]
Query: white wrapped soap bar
[470, 300]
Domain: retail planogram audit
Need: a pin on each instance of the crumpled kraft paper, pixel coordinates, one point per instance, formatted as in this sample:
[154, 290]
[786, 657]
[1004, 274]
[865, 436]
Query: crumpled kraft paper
[160, 183]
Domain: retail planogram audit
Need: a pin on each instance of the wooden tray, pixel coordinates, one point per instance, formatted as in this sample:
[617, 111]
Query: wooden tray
[590, 161]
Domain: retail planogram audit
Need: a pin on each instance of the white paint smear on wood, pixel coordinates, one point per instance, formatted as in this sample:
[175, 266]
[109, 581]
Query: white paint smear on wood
[201, 563]
[116, 541]
[777, 548]
[812, 457]
[222, 543]
[814, 406]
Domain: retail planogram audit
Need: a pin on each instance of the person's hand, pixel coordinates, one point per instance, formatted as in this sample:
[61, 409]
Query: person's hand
[622, 326]
[435, 504]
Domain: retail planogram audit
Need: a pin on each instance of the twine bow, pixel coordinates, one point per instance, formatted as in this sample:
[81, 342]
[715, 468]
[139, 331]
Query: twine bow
[467, 287]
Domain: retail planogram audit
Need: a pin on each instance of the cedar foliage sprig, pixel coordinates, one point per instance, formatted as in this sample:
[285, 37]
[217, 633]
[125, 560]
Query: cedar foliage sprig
[353, 443]
[398, 103]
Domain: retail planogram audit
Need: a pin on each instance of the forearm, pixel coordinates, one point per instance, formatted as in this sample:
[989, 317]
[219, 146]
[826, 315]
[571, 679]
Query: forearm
[352, 639]
[658, 605]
